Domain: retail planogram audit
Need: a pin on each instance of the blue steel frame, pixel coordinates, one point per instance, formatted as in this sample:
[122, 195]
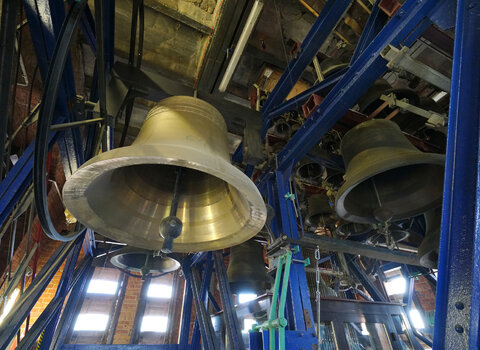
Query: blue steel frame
[367, 65]
[457, 309]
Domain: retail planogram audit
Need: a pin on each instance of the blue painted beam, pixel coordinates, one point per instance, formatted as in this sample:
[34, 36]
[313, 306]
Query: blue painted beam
[362, 74]
[364, 279]
[17, 181]
[322, 88]
[119, 347]
[299, 309]
[321, 29]
[375, 23]
[457, 308]
[22, 307]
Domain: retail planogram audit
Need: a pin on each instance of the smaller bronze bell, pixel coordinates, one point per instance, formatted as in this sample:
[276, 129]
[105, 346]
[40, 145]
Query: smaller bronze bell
[397, 233]
[134, 260]
[309, 171]
[429, 248]
[387, 178]
[320, 213]
[282, 128]
[354, 231]
[246, 269]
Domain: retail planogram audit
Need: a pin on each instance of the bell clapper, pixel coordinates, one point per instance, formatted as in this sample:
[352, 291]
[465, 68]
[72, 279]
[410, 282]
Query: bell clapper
[144, 271]
[171, 226]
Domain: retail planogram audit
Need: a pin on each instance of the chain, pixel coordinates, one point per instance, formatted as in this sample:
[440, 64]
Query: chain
[317, 292]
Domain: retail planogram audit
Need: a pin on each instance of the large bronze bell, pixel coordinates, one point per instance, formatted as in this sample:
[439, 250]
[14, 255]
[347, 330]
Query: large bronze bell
[126, 193]
[387, 178]
[428, 250]
[143, 262]
[320, 213]
[246, 269]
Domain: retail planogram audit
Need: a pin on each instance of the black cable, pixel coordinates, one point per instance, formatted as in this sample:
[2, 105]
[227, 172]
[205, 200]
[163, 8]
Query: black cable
[47, 109]
[138, 12]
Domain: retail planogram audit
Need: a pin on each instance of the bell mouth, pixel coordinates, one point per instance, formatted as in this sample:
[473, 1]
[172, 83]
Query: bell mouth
[403, 187]
[125, 193]
[353, 230]
[309, 171]
[136, 260]
[319, 220]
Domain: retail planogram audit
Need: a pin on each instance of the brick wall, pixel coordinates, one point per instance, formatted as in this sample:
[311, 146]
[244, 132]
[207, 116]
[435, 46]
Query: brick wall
[127, 313]
[425, 293]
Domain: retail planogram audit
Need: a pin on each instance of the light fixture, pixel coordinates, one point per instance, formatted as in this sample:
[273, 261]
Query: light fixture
[242, 41]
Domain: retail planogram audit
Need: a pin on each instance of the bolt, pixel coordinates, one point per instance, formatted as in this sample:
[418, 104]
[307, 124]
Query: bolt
[459, 305]
[459, 328]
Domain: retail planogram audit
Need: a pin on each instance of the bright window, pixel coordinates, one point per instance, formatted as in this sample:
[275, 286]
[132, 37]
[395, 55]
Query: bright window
[154, 324]
[246, 297]
[396, 285]
[9, 303]
[99, 286]
[247, 324]
[416, 319]
[162, 291]
[91, 322]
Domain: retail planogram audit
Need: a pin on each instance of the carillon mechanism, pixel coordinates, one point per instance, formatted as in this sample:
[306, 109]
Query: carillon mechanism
[143, 262]
[174, 188]
[387, 178]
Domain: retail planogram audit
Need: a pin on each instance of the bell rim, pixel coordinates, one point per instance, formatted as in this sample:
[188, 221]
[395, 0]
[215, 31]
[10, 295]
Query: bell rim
[76, 202]
[133, 250]
[416, 157]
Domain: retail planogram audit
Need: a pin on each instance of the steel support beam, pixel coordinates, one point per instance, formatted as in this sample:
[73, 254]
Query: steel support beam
[457, 309]
[355, 248]
[375, 23]
[331, 13]
[298, 308]
[186, 315]
[27, 300]
[322, 89]
[365, 280]
[205, 285]
[209, 340]
[234, 332]
[119, 347]
[46, 322]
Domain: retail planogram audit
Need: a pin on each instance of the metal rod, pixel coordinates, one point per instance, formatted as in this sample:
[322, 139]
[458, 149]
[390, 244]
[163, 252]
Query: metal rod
[63, 126]
[174, 206]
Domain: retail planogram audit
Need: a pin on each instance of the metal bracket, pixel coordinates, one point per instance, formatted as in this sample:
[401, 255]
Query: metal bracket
[434, 120]
[401, 60]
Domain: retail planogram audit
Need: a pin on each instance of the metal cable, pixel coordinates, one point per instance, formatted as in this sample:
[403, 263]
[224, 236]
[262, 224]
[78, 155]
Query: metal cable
[47, 109]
